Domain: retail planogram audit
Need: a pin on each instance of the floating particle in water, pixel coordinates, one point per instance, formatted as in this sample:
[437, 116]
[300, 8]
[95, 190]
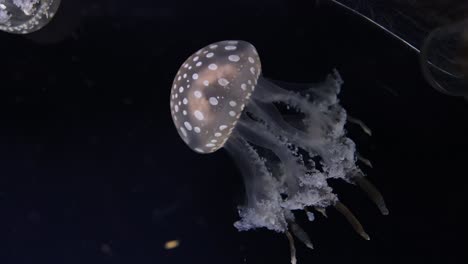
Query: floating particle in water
[171, 244]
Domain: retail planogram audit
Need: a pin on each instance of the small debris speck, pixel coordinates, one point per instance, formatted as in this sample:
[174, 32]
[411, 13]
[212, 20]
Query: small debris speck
[106, 249]
[171, 244]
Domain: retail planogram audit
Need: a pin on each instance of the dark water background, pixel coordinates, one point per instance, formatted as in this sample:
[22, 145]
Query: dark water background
[93, 171]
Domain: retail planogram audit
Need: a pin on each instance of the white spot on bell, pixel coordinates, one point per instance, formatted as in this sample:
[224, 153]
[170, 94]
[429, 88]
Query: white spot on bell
[213, 101]
[188, 125]
[212, 66]
[199, 150]
[183, 131]
[223, 82]
[199, 115]
[234, 58]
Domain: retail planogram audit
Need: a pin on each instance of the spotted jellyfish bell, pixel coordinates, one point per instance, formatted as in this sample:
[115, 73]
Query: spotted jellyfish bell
[210, 91]
[220, 100]
[26, 16]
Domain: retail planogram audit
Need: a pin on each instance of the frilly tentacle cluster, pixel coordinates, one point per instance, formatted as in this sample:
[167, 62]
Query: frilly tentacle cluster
[286, 164]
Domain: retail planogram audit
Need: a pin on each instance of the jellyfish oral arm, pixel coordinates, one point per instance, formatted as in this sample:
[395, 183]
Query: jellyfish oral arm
[268, 138]
[263, 200]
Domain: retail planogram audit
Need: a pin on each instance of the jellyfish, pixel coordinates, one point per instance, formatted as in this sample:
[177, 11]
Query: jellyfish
[26, 16]
[437, 32]
[220, 100]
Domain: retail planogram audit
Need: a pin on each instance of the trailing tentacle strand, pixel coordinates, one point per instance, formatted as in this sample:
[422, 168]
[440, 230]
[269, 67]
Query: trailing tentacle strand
[373, 193]
[292, 248]
[340, 207]
[301, 234]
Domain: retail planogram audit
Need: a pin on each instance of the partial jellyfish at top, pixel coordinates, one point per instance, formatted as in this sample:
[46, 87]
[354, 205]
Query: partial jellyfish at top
[26, 16]
[219, 99]
[436, 29]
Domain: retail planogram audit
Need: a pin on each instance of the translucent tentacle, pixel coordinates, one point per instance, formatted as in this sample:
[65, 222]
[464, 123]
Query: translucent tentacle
[373, 193]
[358, 122]
[275, 122]
[321, 210]
[326, 92]
[324, 125]
[301, 234]
[271, 142]
[367, 162]
[314, 111]
[262, 207]
[352, 220]
[292, 248]
[271, 116]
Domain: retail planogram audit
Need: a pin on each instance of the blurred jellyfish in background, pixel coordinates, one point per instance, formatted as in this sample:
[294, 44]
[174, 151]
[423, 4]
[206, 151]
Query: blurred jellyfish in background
[219, 99]
[437, 29]
[26, 16]
[444, 59]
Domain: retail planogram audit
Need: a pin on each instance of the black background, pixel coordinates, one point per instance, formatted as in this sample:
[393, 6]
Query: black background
[93, 171]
